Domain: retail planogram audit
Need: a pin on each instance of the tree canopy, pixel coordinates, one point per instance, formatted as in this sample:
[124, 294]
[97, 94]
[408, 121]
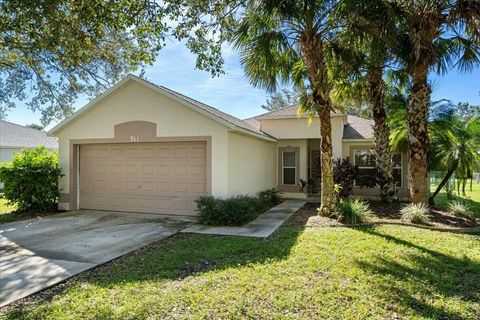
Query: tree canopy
[51, 52]
[281, 99]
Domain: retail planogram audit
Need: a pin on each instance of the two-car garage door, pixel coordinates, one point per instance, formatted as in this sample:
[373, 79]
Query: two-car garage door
[163, 177]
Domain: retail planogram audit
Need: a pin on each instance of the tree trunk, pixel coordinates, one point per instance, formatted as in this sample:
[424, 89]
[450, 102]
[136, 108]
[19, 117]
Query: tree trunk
[311, 46]
[417, 118]
[381, 132]
[327, 192]
[444, 181]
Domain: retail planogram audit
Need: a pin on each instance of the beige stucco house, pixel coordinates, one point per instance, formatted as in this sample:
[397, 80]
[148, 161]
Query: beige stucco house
[145, 148]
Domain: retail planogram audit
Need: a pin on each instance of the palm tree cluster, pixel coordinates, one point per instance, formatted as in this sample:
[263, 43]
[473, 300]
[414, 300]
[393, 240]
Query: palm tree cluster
[352, 51]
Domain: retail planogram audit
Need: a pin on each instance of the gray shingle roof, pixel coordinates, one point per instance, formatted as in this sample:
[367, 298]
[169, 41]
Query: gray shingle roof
[14, 135]
[358, 128]
[288, 112]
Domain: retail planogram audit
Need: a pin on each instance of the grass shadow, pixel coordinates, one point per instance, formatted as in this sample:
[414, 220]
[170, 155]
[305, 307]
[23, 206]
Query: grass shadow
[428, 273]
[323, 267]
[176, 258]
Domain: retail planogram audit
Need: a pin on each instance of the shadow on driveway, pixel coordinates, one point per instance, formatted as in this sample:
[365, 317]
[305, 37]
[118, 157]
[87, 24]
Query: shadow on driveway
[36, 254]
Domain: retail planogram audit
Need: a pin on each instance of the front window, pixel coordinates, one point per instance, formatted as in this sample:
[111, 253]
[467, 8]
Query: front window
[365, 160]
[289, 168]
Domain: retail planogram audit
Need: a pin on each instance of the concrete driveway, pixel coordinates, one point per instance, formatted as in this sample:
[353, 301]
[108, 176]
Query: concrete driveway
[36, 254]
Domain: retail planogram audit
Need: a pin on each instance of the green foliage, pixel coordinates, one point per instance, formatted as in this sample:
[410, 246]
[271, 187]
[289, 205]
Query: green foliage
[31, 180]
[458, 208]
[344, 175]
[281, 99]
[353, 211]
[52, 52]
[462, 209]
[268, 198]
[235, 211]
[35, 126]
[415, 213]
[455, 140]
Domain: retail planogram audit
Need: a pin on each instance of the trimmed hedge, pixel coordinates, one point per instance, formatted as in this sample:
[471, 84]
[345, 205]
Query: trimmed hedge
[31, 180]
[235, 211]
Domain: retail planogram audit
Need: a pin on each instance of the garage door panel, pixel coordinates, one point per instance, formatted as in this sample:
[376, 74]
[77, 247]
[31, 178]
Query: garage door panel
[101, 153]
[145, 177]
[147, 170]
[198, 153]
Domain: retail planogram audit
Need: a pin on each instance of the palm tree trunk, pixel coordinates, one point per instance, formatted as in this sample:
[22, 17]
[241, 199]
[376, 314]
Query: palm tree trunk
[381, 133]
[444, 181]
[417, 118]
[311, 46]
[327, 193]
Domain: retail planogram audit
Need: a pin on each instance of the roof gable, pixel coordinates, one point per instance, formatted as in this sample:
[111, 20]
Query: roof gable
[221, 117]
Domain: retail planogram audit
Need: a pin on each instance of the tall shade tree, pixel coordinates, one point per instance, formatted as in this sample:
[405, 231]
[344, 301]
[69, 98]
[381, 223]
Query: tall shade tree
[285, 41]
[362, 55]
[53, 51]
[439, 34]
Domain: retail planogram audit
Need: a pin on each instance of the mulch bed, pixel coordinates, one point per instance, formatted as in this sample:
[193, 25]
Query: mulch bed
[384, 212]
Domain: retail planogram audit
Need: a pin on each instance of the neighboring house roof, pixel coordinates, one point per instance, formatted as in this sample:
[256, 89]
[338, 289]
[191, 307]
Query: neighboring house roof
[212, 113]
[15, 135]
[358, 128]
[285, 113]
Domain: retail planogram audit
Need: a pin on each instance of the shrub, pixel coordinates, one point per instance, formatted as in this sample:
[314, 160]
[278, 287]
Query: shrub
[235, 211]
[344, 174]
[353, 211]
[415, 213]
[459, 208]
[31, 180]
[268, 198]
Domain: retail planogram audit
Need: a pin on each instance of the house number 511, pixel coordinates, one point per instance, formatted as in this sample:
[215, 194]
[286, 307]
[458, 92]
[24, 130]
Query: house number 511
[134, 139]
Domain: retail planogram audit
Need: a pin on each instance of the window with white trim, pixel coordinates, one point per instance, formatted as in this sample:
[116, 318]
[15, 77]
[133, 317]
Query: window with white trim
[365, 160]
[289, 173]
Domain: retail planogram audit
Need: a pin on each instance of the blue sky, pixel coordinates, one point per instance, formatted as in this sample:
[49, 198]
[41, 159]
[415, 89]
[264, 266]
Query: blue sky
[232, 93]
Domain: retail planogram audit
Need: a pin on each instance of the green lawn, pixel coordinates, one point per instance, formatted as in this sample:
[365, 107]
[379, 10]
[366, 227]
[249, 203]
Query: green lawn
[6, 214]
[384, 272]
[472, 198]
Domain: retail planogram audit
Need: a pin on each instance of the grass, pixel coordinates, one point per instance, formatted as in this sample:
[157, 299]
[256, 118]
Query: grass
[472, 198]
[6, 212]
[384, 272]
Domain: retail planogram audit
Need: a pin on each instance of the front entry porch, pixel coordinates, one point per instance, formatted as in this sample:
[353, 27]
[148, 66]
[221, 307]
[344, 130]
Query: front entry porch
[299, 171]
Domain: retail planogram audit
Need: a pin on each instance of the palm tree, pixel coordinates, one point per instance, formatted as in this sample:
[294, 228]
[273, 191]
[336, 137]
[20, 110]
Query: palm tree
[363, 54]
[437, 34]
[286, 41]
[455, 146]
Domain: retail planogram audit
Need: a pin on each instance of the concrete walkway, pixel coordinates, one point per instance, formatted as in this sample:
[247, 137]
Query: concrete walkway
[38, 253]
[261, 227]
